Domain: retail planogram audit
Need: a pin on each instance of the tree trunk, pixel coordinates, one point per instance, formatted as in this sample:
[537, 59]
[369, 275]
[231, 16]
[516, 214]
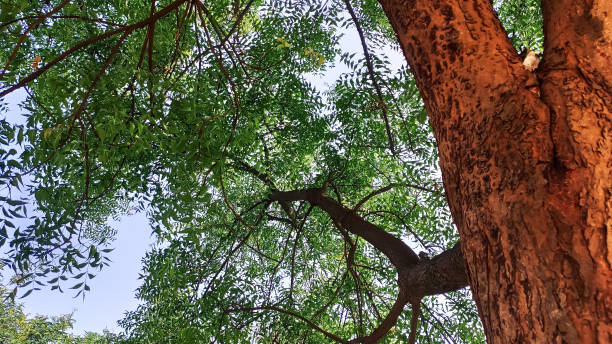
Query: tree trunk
[526, 160]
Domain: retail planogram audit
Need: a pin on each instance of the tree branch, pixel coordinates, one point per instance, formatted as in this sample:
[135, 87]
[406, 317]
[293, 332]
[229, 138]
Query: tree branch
[386, 325]
[372, 75]
[441, 274]
[387, 188]
[394, 248]
[417, 277]
[414, 322]
[293, 314]
[24, 81]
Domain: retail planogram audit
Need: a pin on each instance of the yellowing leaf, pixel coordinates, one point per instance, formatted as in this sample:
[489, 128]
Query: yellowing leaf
[46, 133]
[283, 43]
[321, 60]
[36, 61]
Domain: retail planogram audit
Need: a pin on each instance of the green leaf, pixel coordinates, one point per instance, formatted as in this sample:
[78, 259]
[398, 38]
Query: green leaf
[76, 286]
[27, 293]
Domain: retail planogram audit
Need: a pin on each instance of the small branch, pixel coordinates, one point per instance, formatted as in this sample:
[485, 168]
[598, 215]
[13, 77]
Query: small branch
[266, 179]
[236, 215]
[370, 66]
[389, 187]
[112, 182]
[386, 325]
[294, 250]
[24, 81]
[25, 34]
[238, 21]
[293, 314]
[372, 194]
[336, 292]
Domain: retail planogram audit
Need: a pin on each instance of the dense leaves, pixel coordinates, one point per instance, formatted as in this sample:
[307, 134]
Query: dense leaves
[194, 112]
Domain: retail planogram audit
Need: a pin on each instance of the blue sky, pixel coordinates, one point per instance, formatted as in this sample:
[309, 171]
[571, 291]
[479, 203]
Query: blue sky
[112, 291]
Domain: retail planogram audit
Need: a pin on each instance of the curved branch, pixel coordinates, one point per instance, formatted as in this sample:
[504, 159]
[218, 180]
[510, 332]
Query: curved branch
[394, 248]
[372, 194]
[389, 187]
[414, 322]
[389, 321]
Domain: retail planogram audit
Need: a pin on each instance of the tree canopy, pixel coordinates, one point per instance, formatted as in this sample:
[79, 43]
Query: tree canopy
[252, 133]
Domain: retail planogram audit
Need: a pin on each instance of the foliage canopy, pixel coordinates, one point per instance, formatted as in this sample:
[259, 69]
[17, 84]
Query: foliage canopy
[196, 112]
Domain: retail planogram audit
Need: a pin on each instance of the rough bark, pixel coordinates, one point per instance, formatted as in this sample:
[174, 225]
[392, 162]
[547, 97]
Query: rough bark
[526, 160]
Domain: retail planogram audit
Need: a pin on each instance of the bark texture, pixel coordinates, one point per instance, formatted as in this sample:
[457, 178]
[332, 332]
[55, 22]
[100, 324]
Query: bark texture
[526, 159]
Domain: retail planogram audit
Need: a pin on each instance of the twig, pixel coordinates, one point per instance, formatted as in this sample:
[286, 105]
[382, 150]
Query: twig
[24, 81]
[370, 66]
[25, 34]
[293, 314]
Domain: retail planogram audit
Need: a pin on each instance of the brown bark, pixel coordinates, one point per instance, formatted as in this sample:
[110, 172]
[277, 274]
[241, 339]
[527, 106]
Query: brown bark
[526, 160]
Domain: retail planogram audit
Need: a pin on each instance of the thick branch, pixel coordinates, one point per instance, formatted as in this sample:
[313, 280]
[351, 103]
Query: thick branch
[394, 248]
[441, 274]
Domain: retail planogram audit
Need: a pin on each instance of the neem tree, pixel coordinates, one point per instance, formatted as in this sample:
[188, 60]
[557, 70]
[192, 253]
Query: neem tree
[291, 215]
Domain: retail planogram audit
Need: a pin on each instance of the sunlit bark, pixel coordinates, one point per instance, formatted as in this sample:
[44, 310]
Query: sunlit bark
[526, 160]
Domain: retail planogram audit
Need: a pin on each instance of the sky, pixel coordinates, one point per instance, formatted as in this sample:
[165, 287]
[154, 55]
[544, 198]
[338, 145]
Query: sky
[112, 290]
